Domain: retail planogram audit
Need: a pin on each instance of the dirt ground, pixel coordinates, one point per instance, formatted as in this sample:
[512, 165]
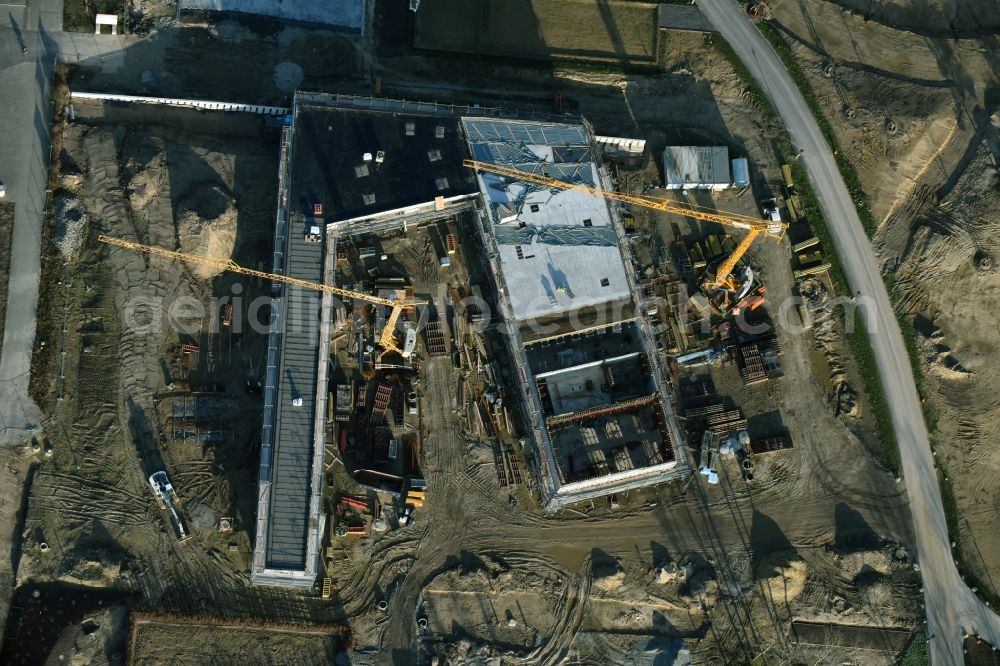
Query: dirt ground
[813, 495]
[91, 518]
[964, 18]
[817, 375]
[905, 107]
[933, 180]
[947, 279]
[14, 465]
[620, 31]
[178, 191]
[494, 579]
[161, 640]
[709, 569]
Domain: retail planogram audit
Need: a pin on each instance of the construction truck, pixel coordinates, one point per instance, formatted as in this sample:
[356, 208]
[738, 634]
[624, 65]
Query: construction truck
[165, 496]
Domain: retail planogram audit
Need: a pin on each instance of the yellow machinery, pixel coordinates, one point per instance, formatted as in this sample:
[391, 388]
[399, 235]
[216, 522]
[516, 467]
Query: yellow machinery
[724, 278]
[388, 340]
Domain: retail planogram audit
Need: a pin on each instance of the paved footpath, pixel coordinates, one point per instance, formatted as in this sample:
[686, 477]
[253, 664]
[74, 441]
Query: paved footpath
[31, 40]
[27, 55]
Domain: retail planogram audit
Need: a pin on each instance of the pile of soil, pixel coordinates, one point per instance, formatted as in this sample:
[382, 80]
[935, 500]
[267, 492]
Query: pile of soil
[828, 340]
[206, 225]
[783, 575]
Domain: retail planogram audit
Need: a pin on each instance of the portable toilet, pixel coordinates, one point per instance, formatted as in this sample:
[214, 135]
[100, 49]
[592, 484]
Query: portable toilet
[741, 172]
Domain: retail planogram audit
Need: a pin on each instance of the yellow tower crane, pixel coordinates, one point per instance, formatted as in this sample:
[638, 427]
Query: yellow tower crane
[388, 340]
[724, 279]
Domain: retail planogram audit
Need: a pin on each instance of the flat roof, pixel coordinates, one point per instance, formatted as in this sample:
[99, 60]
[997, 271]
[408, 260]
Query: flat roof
[291, 466]
[558, 249]
[422, 159]
[694, 166]
[681, 17]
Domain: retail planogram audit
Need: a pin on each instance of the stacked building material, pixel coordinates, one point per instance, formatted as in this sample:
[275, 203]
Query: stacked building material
[751, 366]
[436, 345]
[383, 394]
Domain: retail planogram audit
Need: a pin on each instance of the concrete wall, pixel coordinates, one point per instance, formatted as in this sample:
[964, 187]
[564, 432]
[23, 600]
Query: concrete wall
[348, 14]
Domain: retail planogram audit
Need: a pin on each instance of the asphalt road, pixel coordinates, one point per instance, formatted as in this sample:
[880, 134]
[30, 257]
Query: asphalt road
[25, 112]
[952, 609]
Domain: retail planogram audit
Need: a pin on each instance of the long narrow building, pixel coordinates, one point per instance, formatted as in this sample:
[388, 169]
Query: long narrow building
[348, 166]
[289, 520]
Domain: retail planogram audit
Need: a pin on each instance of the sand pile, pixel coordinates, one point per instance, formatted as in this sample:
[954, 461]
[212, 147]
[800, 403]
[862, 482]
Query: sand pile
[827, 338]
[608, 578]
[783, 575]
[862, 560]
[145, 185]
[206, 225]
[202, 516]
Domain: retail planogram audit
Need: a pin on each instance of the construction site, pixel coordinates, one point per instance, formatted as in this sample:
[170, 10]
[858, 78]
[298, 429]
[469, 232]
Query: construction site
[376, 380]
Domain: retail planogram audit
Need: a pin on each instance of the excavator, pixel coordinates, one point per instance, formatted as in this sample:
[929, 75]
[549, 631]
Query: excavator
[724, 278]
[387, 341]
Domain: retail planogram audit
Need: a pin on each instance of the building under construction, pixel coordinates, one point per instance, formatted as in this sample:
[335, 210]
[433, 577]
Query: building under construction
[596, 399]
[347, 166]
[590, 396]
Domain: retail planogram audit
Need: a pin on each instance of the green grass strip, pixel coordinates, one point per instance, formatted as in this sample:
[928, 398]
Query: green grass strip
[916, 652]
[951, 514]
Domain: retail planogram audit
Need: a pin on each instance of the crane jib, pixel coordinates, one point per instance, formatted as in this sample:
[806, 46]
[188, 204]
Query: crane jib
[730, 219]
[233, 267]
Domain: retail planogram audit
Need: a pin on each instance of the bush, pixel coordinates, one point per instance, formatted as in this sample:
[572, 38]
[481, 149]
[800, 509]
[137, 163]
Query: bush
[916, 652]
